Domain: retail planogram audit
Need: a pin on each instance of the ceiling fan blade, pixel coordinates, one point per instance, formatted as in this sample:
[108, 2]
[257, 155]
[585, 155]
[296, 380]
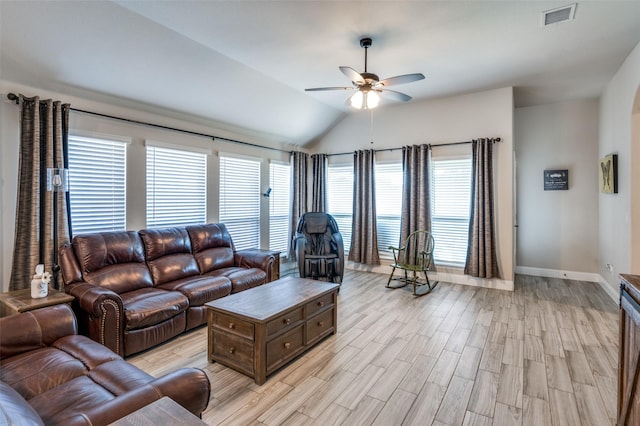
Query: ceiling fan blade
[352, 75]
[392, 94]
[401, 79]
[319, 89]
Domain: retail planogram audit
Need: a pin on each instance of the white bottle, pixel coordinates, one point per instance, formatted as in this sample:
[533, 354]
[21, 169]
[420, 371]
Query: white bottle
[40, 283]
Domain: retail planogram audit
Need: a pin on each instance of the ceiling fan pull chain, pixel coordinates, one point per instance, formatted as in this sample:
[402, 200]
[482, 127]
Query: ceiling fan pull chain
[371, 125]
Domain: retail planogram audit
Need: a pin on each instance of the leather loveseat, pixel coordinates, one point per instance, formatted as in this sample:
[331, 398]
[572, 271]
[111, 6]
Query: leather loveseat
[50, 375]
[134, 290]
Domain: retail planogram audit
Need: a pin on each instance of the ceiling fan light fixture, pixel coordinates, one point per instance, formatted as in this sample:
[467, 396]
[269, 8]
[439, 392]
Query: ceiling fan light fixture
[364, 99]
[371, 99]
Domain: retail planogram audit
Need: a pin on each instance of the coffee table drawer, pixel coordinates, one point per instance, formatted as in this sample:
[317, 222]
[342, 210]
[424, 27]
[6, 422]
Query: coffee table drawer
[233, 325]
[284, 348]
[233, 351]
[285, 321]
[320, 325]
[319, 304]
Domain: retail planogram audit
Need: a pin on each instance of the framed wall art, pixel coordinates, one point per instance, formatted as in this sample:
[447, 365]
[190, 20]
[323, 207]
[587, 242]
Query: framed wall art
[555, 180]
[609, 174]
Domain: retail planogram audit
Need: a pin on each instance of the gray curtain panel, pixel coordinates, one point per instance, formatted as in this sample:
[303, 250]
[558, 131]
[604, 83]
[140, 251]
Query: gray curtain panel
[319, 187]
[364, 234]
[44, 127]
[298, 161]
[416, 189]
[481, 251]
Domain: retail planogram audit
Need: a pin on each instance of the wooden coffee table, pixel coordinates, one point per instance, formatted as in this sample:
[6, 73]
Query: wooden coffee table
[259, 330]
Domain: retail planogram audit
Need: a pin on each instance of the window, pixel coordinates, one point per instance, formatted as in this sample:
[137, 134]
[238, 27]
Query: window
[176, 187]
[97, 184]
[450, 203]
[340, 199]
[388, 206]
[279, 181]
[240, 200]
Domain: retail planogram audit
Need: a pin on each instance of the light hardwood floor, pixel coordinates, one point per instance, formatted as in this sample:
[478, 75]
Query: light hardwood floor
[545, 354]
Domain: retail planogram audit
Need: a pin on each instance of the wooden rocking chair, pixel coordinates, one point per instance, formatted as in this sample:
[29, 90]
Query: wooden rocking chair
[414, 258]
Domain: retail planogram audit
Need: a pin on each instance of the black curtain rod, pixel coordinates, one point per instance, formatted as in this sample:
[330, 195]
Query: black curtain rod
[431, 145]
[14, 97]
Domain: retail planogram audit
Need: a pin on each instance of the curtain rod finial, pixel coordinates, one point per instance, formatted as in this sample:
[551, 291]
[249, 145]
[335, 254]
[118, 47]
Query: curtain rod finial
[13, 97]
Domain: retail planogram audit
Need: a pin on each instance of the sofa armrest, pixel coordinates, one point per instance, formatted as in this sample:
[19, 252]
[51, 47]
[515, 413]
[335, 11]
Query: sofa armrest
[34, 329]
[100, 314]
[189, 387]
[261, 259]
[14, 410]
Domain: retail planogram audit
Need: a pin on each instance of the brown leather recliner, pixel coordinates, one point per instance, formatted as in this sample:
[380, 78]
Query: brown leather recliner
[135, 290]
[51, 375]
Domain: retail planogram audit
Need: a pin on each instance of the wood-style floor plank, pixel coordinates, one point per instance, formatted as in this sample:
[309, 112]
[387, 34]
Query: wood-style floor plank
[545, 354]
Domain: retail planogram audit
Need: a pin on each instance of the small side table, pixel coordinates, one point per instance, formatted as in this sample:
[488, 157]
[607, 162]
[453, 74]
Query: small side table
[15, 302]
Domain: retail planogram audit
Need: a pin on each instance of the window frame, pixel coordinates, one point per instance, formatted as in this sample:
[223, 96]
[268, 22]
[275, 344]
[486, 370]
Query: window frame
[275, 197]
[235, 223]
[453, 225]
[97, 180]
[343, 218]
[172, 185]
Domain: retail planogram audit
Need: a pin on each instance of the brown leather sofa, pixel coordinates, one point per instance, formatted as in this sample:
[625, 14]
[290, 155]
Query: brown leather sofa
[134, 290]
[50, 375]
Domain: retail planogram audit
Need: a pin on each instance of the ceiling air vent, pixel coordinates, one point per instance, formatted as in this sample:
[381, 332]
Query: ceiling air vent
[561, 14]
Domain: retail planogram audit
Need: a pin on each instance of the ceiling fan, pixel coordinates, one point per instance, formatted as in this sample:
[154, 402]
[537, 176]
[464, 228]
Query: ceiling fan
[369, 85]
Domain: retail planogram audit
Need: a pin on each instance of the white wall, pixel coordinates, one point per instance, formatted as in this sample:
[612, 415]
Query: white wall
[454, 119]
[136, 205]
[557, 232]
[616, 215]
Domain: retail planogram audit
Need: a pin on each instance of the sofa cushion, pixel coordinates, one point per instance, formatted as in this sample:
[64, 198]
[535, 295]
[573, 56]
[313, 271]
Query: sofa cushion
[212, 246]
[241, 278]
[55, 404]
[37, 371]
[168, 254]
[118, 376]
[114, 260]
[14, 410]
[201, 289]
[151, 306]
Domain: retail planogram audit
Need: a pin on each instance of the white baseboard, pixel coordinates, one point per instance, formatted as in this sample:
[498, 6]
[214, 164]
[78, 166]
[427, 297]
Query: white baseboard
[571, 275]
[497, 284]
[613, 292]
[557, 273]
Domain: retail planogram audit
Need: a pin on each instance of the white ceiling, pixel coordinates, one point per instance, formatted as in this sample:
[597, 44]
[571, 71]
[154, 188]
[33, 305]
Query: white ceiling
[247, 63]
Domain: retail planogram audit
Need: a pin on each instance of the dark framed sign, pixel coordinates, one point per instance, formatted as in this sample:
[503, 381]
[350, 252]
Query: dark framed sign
[556, 180]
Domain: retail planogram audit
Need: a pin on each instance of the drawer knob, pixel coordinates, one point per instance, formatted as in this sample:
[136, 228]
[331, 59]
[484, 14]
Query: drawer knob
[232, 350]
[232, 325]
[321, 304]
[287, 321]
[320, 323]
[287, 345]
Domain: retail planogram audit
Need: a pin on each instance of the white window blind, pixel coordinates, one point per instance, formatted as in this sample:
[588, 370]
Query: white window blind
[388, 206]
[450, 201]
[279, 181]
[97, 188]
[176, 187]
[340, 199]
[240, 200]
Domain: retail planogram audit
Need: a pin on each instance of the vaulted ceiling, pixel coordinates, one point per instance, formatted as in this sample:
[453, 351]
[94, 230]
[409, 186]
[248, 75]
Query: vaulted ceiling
[245, 64]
